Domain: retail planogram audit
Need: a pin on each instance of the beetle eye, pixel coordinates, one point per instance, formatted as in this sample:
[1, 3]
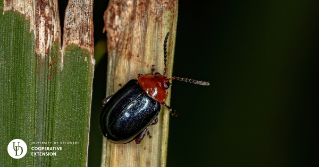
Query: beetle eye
[166, 85]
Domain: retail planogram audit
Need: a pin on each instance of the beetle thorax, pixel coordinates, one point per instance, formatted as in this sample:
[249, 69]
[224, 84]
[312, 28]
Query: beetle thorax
[155, 86]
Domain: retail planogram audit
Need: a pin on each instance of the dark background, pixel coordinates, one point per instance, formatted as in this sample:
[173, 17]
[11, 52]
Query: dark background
[262, 106]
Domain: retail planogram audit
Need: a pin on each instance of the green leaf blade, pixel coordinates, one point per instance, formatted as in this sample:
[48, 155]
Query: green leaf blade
[74, 97]
[17, 84]
[43, 98]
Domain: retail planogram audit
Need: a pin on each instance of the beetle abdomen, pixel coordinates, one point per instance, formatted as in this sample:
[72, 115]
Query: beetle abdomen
[128, 113]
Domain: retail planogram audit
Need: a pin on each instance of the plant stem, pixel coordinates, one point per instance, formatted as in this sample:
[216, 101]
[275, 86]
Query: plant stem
[135, 33]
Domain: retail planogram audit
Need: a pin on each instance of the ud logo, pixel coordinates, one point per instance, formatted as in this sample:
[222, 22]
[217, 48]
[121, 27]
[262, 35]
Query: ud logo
[17, 148]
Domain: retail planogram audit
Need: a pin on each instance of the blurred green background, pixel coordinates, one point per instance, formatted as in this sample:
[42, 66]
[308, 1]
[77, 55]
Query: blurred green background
[262, 106]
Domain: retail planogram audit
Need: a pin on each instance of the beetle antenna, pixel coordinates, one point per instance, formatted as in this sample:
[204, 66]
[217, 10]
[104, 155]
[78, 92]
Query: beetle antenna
[204, 83]
[165, 52]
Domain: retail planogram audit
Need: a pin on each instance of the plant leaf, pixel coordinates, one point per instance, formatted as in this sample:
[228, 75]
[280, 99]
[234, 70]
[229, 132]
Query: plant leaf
[45, 92]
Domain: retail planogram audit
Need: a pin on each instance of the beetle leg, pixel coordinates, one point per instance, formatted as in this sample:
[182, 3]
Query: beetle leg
[140, 137]
[154, 121]
[148, 134]
[105, 100]
[170, 109]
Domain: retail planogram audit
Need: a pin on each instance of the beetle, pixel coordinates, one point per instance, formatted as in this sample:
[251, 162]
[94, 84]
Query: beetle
[128, 113]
